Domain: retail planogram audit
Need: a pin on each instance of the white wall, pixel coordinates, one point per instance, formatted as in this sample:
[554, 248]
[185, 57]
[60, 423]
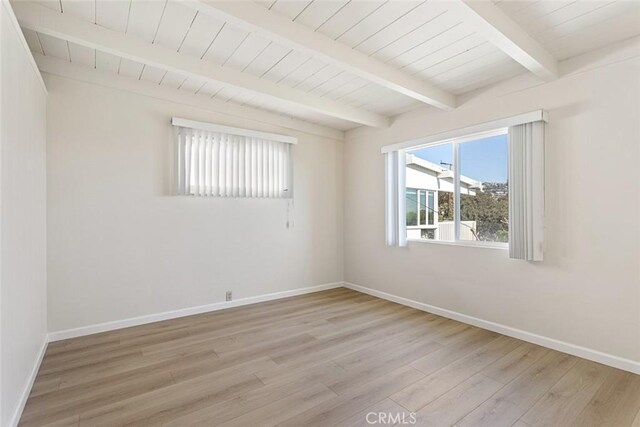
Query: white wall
[22, 218]
[121, 245]
[587, 291]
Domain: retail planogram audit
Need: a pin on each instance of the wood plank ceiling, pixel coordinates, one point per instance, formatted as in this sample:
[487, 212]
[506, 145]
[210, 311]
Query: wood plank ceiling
[567, 28]
[422, 38]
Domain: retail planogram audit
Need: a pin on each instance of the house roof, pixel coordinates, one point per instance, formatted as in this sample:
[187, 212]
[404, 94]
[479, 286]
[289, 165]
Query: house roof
[440, 172]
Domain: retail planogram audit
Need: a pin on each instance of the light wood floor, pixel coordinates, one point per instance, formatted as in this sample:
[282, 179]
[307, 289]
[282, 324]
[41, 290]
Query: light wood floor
[323, 359]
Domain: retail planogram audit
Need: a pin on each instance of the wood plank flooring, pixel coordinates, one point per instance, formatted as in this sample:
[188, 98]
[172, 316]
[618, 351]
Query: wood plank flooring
[323, 359]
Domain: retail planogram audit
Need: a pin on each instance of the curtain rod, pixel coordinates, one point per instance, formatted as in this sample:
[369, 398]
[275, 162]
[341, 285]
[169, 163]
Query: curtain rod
[532, 116]
[176, 121]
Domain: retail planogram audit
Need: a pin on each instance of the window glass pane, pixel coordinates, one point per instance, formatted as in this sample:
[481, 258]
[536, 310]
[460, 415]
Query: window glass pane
[412, 206]
[431, 208]
[484, 190]
[429, 170]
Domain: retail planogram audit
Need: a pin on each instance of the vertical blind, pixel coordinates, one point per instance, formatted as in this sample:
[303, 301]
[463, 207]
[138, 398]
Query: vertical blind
[221, 164]
[526, 191]
[395, 165]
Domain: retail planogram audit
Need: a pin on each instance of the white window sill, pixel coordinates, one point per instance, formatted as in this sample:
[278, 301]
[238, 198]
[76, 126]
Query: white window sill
[471, 244]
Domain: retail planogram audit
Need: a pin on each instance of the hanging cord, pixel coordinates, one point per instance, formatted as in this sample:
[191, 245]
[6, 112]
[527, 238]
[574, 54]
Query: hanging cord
[290, 211]
[289, 190]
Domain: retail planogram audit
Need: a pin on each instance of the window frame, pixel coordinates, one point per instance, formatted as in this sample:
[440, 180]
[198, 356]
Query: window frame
[426, 225]
[429, 209]
[455, 142]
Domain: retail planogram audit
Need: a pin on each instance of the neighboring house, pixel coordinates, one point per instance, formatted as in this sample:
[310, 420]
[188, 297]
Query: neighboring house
[424, 180]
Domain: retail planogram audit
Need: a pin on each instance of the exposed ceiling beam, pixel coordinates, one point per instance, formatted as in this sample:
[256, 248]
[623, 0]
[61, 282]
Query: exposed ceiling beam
[507, 36]
[50, 22]
[281, 29]
[241, 114]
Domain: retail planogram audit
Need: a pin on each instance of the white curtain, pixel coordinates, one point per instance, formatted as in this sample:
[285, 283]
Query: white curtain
[395, 172]
[526, 191]
[225, 165]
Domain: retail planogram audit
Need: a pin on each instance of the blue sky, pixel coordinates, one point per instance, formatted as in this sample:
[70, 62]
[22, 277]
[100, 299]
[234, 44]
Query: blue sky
[484, 160]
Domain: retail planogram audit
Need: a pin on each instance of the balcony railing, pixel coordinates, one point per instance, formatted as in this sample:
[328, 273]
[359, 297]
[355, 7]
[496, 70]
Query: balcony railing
[445, 231]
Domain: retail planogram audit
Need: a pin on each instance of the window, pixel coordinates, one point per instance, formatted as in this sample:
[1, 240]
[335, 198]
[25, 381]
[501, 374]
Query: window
[480, 185]
[458, 190]
[420, 209]
[220, 161]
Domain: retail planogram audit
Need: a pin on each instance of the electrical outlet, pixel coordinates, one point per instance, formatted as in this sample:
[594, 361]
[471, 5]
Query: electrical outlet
[229, 296]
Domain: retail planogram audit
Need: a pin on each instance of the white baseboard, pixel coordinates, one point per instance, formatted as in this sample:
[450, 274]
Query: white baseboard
[15, 419]
[565, 347]
[142, 320]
